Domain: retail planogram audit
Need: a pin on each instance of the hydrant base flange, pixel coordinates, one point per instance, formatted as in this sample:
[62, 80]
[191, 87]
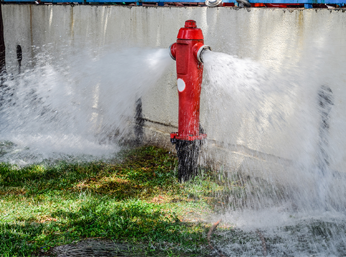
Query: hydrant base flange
[175, 136]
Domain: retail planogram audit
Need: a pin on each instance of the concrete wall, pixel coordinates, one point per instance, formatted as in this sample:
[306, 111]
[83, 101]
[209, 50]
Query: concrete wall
[279, 39]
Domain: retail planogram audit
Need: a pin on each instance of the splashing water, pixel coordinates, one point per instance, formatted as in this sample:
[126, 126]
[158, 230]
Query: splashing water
[279, 132]
[79, 105]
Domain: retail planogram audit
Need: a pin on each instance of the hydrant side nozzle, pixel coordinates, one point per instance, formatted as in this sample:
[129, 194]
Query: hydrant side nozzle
[198, 49]
[172, 50]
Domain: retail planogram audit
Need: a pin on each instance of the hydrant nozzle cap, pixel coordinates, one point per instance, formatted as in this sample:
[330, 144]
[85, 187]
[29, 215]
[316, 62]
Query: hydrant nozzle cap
[191, 24]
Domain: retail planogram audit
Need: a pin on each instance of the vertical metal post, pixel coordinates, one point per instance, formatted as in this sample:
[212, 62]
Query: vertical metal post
[139, 122]
[2, 45]
[19, 57]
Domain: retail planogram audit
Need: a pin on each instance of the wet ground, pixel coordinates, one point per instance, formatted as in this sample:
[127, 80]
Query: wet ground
[96, 247]
[104, 248]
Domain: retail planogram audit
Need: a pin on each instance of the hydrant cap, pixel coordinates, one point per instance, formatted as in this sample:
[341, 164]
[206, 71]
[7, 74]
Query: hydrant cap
[190, 31]
[190, 24]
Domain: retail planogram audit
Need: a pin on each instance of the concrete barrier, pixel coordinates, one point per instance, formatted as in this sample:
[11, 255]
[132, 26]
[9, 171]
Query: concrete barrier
[279, 39]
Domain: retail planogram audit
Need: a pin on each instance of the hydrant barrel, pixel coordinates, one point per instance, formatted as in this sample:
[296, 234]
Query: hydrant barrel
[186, 51]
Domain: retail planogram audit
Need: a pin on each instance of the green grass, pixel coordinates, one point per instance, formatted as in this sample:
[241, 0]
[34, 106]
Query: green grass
[135, 200]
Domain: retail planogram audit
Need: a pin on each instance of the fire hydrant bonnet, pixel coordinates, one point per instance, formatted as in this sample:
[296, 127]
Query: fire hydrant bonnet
[190, 31]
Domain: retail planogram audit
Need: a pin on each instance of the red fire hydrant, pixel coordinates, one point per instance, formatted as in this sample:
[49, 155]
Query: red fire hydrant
[187, 52]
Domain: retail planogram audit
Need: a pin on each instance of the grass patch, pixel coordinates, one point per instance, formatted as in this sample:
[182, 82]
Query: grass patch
[135, 200]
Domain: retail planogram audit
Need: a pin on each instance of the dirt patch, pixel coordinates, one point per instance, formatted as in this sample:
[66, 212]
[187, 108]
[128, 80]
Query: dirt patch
[95, 247]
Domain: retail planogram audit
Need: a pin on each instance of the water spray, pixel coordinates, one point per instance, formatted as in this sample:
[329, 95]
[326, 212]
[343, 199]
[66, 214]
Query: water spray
[187, 52]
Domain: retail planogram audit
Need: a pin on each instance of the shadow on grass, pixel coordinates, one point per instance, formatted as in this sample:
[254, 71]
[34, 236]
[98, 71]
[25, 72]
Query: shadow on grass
[140, 173]
[111, 207]
[132, 221]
